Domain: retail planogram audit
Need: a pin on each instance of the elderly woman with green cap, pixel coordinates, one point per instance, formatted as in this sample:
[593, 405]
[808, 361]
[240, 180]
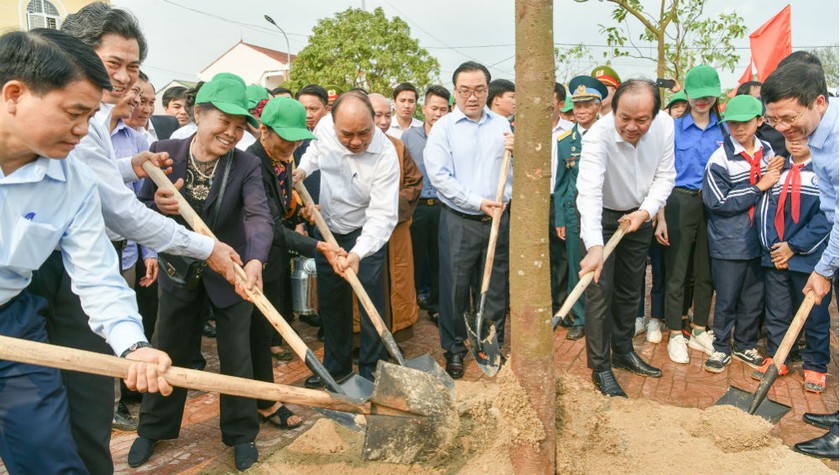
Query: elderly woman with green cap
[282, 129]
[224, 186]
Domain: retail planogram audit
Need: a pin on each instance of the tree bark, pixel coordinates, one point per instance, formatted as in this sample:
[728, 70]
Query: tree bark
[532, 337]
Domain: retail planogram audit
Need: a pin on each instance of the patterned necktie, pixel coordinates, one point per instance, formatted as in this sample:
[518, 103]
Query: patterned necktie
[755, 173]
[793, 182]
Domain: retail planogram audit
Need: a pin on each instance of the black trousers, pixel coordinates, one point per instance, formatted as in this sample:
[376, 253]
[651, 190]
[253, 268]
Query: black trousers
[261, 334]
[90, 398]
[739, 302]
[177, 330]
[336, 306]
[689, 250]
[612, 303]
[559, 266]
[147, 299]
[463, 249]
[424, 242]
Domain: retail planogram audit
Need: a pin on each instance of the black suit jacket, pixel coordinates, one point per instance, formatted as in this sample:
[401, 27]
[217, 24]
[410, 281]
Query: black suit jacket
[164, 125]
[285, 238]
[244, 221]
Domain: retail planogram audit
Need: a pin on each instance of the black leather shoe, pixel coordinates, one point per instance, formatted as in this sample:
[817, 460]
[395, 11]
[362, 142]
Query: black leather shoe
[633, 363]
[314, 381]
[245, 455]
[455, 365]
[606, 383]
[140, 451]
[824, 421]
[826, 447]
[313, 320]
[567, 322]
[575, 333]
[209, 330]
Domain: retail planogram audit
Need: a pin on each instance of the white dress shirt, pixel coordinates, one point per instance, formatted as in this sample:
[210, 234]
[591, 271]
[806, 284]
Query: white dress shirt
[357, 189]
[562, 126]
[616, 175]
[246, 141]
[184, 132]
[396, 131]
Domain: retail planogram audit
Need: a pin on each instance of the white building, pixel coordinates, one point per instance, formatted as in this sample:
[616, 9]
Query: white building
[254, 64]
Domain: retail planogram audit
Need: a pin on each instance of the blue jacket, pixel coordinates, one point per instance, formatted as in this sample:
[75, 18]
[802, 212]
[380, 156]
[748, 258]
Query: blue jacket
[728, 196]
[808, 238]
[692, 149]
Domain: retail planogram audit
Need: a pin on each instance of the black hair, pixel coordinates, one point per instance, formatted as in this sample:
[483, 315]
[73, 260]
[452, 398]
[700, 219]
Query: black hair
[800, 57]
[360, 89]
[497, 88]
[439, 91]
[46, 60]
[314, 90]
[174, 93]
[97, 19]
[560, 90]
[189, 99]
[143, 76]
[795, 80]
[353, 94]
[280, 90]
[467, 67]
[406, 86]
[636, 85]
[744, 89]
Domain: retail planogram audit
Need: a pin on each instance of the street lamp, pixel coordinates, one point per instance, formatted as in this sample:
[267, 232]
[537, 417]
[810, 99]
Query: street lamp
[288, 46]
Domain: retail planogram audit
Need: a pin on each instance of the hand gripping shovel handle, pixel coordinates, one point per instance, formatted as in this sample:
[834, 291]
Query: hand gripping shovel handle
[351, 277]
[257, 297]
[781, 355]
[53, 356]
[584, 281]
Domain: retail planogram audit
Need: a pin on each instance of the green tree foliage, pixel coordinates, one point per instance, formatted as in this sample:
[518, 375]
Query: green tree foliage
[828, 57]
[364, 49]
[573, 61]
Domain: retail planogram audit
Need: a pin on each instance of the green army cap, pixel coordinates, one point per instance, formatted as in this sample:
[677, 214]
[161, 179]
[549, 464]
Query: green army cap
[702, 81]
[606, 75]
[255, 93]
[286, 117]
[742, 108]
[678, 97]
[226, 92]
[587, 88]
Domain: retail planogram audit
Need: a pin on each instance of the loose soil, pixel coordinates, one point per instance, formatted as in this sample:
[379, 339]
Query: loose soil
[595, 434]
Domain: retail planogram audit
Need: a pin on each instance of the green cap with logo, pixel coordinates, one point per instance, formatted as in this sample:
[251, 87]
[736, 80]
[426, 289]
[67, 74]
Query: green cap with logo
[255, 93]
[678, 97]
[226, 92]
[742, 108]
[286, 117]
[702, 81]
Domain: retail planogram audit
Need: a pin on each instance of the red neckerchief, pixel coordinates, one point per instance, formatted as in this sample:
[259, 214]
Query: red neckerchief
[793, 182]
[755, 172]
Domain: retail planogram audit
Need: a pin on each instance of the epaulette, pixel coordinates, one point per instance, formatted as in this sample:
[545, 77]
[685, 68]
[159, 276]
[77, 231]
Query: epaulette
[564, 134]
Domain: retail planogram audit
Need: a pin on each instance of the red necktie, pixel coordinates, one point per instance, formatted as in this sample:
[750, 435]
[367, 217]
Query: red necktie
[793, 182]
[755, 173]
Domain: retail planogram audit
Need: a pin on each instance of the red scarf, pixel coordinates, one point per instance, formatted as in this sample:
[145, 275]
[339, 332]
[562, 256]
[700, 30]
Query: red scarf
[755, 172]
[793, 182]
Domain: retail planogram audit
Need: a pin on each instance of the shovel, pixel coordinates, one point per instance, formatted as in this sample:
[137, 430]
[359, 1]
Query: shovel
[355, 386]
[484, 341]
[402, 426]
[757, 403]
[423, 363]
[584, 281]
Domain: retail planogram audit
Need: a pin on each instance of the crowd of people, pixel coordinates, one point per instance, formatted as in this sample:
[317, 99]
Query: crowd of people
[731, 204]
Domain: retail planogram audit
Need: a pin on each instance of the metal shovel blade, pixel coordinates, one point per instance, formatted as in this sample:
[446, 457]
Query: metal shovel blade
[484, 347]
[768, 410]
[428, 365]
[413, 416]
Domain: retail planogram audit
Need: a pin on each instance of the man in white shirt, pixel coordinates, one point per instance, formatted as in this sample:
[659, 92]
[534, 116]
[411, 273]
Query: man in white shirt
[405, 103]
[626, 174]
[360, 177]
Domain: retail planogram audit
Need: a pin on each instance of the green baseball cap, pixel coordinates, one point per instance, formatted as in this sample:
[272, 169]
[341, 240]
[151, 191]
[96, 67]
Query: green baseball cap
[568, 105]
[226, 92]
[742, 109]
[678, 97]
[255, 94]
[702, 81]
[286, 117]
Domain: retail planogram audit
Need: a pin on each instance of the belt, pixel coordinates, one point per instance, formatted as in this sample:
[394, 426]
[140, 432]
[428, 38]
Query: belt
[626, 211]
[687, 191]
[481, 218]
[428, 202]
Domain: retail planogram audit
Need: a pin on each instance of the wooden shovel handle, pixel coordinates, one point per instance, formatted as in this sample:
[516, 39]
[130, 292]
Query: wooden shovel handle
[494, 228]
[257, 297]
[53, 356]
[793, 330]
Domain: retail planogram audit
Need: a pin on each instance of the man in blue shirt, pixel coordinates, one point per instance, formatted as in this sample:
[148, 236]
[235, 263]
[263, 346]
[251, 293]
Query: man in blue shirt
[463, 158]
[52, 85]
[797, 103]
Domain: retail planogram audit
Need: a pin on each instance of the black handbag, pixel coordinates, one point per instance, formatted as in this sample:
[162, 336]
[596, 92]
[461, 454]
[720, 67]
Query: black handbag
[184, 271]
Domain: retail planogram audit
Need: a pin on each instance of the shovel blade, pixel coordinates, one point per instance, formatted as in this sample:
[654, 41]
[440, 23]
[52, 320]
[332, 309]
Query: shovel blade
[486, 349]
[428, 365]
[413, 417]
[769, 410]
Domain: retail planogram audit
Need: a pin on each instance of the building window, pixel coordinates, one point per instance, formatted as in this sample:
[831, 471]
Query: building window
[42, 14]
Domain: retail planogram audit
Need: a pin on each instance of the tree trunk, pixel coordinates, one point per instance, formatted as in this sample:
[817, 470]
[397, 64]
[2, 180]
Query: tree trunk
[660, 60]
[532, 336]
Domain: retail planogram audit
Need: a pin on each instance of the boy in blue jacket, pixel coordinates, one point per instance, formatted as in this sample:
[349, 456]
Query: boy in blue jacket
[794, 233]
[736, 175]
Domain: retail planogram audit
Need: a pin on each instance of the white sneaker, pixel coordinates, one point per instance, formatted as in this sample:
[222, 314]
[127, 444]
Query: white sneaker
[703, 342]
[677, 350]
[640, 326]
[654, 333]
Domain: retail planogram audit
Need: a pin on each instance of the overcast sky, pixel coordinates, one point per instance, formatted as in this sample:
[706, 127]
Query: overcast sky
[186, 35]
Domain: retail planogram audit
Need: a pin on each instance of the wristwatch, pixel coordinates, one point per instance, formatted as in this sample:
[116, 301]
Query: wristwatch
[136, 346]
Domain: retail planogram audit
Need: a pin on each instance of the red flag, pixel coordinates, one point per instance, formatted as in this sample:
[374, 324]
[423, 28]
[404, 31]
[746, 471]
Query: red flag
[747, 76]
[770, 43]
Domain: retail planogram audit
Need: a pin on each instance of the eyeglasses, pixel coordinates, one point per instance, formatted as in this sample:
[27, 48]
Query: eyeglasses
[466, 93]
[790, 122]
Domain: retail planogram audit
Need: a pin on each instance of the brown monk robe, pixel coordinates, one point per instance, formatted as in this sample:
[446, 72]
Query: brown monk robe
[401, 310]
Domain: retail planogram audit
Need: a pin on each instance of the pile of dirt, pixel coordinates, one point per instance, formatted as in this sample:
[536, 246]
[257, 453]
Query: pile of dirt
[595, 434]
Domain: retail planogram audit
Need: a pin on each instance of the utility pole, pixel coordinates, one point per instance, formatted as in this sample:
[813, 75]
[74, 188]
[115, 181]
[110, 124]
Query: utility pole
[288, 46]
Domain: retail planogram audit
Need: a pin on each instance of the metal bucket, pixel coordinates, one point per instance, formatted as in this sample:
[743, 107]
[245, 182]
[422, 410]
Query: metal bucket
[303, 285]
